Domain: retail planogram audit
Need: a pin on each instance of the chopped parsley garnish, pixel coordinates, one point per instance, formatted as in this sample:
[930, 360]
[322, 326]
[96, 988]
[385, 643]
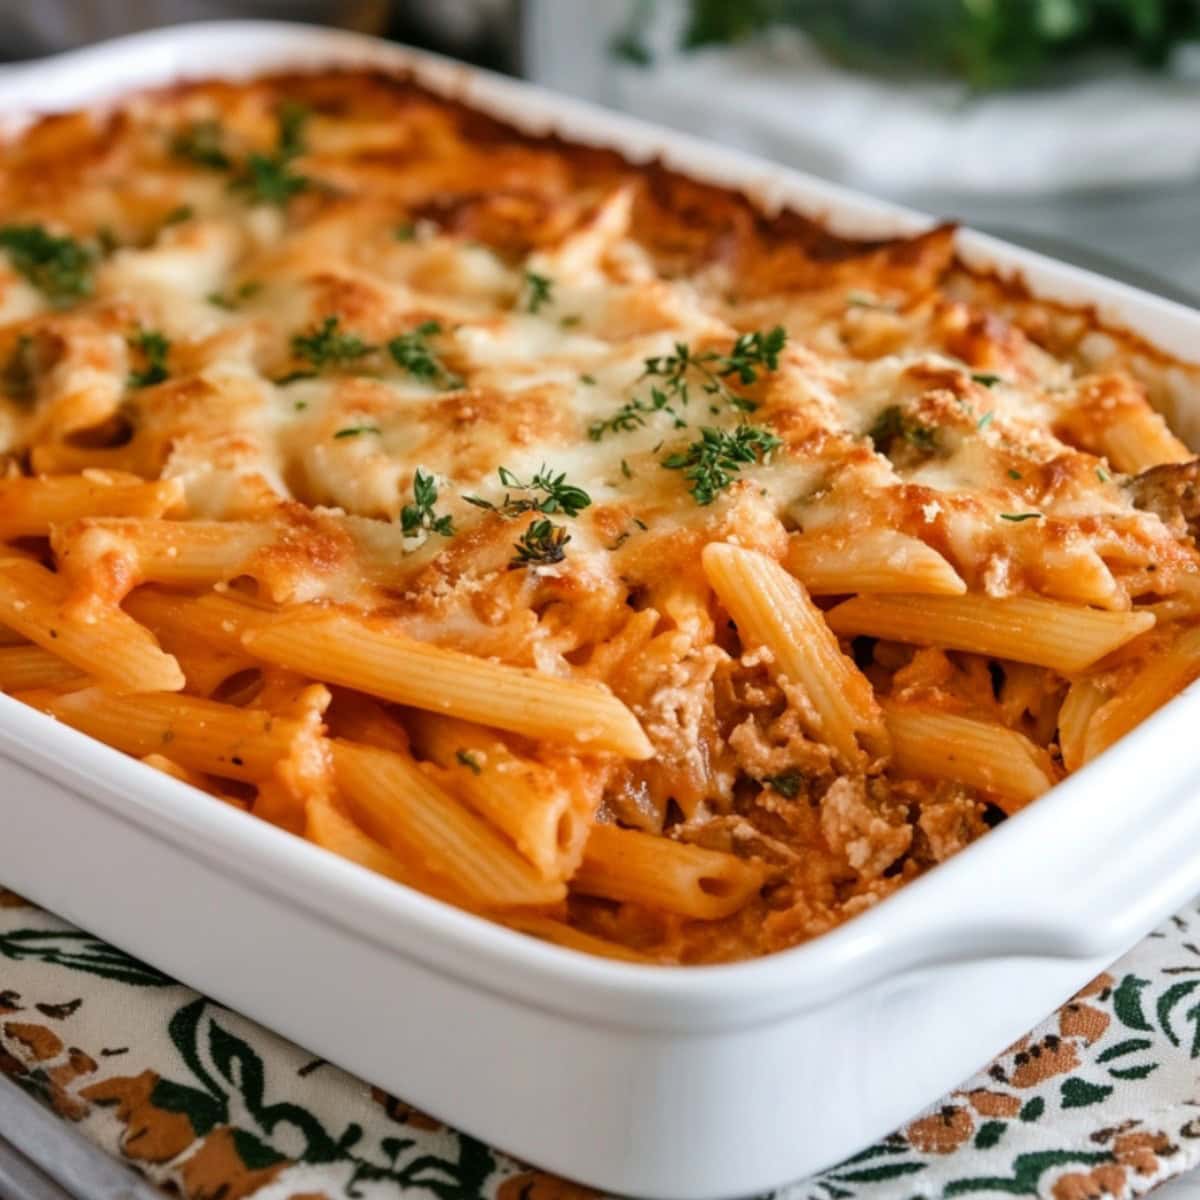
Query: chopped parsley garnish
[413, 353]
[185, 212]
[710, 463]
[155, 347]
[269, 178]
[751, 352]
[786, 783]
[542, 544]
[469, 761]
[59, 267]
[291, 118]
[406, 232]
[200, 143]
[220, 300]
[559, 496]
[986, 378]
[538, 291]
[1013, 474]
[1029, 516]
[327, 346]
[985, 420]
[357, 430]
[570, 321]
[625, 470]
[588, 380]
[892, 425]
[420, 516]
[1102, 475]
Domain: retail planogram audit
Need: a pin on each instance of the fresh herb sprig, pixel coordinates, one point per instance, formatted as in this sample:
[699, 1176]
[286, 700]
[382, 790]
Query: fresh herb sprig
[538, 291]
[59, 267]
[155, 347]
[542, 544]
[229, 302]
[467, 759]
[786, 783]
[326, 345]
[412, 352]
[269, 178]
[893, 425]
[201, 143]
[633, 414]
[420, 517]
[558, 496]
[717, 455]
[674, 375]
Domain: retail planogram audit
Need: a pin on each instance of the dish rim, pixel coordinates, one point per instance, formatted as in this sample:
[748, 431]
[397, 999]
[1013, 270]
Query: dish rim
[894, 936]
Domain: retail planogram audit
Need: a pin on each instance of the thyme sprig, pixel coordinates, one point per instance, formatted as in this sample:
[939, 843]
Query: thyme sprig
[326, 345]
[676, 373]
[155, 347]
[59, 267]
[538, 291]
[269, 178]
[717, 455]
[558, 495]
[412, 352]
[420, 516]
[542, 544]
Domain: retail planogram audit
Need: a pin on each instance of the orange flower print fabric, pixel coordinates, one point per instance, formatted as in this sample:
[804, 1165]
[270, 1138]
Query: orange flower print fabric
[1099, 1103]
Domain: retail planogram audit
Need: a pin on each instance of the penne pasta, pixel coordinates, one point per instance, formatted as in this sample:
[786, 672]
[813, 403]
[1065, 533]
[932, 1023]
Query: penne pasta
[773, 610]
[1141, 439]
[199, 735]
[24, 667]
[1025, 629]
[980, 754]
[96, 637]
[329, 827]
[1083, 698]
[559, 933]
[1158, 681]
[30, 506]
[532, 565]
[403, 807]
[547, 811]
[870, 560]
[385, 662]
[194, 778]
[214, 619]
[120, 554]
[640, 868]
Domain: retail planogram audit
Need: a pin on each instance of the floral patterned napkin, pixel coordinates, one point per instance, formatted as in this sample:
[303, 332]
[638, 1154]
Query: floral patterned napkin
[1101, 1100]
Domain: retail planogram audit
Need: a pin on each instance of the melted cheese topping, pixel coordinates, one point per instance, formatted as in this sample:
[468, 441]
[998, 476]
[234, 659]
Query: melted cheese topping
[541, 287]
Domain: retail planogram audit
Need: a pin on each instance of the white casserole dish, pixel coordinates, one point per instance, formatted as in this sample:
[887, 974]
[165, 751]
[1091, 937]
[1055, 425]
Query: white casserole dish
[688, 1083]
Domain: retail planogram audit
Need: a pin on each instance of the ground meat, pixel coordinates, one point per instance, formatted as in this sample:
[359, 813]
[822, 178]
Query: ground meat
[1172, 492]
[855, 828]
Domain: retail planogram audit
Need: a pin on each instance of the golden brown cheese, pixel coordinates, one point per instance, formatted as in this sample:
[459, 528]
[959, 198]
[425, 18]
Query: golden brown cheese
[307, 297]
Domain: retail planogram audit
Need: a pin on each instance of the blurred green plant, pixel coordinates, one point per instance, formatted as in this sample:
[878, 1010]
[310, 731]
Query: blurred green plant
[988, 43]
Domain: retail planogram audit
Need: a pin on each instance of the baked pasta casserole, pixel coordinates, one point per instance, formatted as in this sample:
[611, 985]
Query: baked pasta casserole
[575, 542]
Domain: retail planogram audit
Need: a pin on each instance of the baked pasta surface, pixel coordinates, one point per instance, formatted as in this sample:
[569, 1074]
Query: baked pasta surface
[562, 537]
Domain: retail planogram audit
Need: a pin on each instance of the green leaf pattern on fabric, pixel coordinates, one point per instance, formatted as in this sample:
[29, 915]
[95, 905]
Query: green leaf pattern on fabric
[1102, 1100]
